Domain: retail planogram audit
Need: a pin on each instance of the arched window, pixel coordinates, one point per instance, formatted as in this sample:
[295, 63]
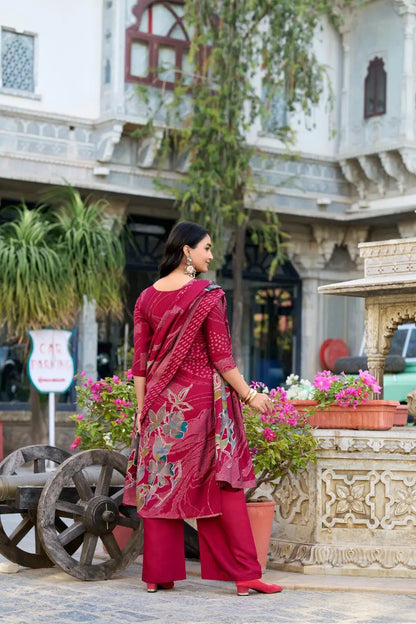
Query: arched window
[157, 46]
[375, 89]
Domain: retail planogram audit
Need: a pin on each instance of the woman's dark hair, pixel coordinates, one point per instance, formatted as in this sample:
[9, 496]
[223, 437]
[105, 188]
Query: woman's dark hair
[183, 233]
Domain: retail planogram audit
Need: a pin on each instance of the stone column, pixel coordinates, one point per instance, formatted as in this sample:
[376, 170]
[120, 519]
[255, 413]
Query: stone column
[88, 340]
[407, 10]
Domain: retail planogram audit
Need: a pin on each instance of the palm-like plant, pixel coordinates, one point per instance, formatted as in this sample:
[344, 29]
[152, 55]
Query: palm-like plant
[36, 288]
[93, 249]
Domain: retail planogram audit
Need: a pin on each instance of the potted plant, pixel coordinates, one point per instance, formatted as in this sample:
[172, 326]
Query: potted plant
[108, 407]
[280, 441]
[342, 401]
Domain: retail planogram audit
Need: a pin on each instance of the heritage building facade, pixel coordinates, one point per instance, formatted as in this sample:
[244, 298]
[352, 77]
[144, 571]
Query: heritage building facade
[69, 108]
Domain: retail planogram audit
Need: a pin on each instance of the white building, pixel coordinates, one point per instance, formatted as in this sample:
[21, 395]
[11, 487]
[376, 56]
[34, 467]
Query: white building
[68, 107]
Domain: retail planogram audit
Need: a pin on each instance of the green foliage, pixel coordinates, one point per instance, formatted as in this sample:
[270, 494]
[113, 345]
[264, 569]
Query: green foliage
[50, 257]
[94, 250]
[108, 408]
[36, 287]
[280, 441]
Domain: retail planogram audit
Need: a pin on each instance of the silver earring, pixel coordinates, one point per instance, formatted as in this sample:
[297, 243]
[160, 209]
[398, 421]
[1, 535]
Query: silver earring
[189, 268]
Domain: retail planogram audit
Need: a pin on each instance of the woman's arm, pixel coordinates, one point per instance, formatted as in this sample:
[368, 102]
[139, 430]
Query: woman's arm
[260, 402]
[139, 384]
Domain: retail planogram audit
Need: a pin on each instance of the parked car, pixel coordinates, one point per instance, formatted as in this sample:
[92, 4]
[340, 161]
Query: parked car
[400, 370]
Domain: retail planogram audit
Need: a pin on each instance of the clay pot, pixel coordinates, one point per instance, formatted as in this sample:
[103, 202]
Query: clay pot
[261, 515]
[375, 415]
[400, 417]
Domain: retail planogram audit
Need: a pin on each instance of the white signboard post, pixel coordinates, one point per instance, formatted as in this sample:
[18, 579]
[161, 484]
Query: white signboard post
[51, 367]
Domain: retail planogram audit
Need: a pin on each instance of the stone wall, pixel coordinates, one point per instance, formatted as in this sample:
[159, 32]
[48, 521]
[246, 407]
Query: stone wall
[17, 430]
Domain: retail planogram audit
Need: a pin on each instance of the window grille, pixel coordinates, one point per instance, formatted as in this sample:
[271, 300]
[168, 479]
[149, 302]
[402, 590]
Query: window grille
[17, 61]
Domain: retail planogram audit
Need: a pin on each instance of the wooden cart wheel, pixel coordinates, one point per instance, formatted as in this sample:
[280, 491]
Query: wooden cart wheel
[32, 458]
[95, 513]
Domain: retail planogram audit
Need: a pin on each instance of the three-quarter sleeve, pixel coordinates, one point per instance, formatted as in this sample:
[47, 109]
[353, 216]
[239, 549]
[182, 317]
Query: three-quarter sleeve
[142, 336]
[218, 338]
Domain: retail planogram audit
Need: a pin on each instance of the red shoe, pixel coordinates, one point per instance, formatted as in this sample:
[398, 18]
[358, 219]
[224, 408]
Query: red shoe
[265, 588]
[153, 587]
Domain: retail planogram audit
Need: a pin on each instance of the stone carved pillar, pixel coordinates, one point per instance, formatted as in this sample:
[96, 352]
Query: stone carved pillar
[375, 343]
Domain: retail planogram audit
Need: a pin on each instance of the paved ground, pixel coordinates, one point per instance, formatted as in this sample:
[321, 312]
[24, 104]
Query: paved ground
[49, 596]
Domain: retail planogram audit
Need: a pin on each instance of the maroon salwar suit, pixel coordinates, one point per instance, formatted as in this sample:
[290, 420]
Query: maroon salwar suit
[193, 458]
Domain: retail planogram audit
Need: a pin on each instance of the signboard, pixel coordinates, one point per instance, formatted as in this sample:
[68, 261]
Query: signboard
[50, 365]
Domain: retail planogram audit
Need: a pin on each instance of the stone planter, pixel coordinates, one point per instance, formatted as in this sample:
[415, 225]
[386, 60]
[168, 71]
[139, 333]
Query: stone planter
[374, 415]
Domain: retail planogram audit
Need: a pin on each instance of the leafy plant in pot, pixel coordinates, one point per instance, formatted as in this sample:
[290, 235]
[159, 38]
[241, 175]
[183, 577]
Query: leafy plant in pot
[280, 441]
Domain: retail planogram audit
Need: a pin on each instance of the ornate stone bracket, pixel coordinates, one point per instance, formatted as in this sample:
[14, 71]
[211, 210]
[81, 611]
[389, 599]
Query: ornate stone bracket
[374, 172]
[327, 237]
[353, 173]
[148, 148]
[107, 137]
[393, 166]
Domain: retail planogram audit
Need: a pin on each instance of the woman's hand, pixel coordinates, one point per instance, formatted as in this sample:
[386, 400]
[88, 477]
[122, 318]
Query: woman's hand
[261, 402]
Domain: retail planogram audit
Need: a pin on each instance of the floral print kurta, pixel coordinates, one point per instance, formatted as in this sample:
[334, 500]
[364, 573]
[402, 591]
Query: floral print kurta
[177, 469]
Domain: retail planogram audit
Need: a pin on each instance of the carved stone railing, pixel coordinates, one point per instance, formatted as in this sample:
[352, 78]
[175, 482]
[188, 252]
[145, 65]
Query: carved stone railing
[354, 511]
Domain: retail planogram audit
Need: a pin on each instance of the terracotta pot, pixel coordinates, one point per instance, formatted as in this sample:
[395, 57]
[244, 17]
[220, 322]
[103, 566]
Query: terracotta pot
[400, 417]
[376, 415]
[261, 519]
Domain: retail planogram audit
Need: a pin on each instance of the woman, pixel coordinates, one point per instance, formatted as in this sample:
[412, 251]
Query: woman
[193, 460]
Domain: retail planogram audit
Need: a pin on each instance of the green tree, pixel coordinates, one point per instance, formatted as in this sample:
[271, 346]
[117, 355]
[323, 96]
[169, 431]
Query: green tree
[94, 250]
[244, 53]
[50, 257]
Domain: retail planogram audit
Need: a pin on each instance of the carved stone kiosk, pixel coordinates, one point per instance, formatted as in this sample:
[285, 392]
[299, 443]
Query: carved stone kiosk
[389, 288]
[354, 512]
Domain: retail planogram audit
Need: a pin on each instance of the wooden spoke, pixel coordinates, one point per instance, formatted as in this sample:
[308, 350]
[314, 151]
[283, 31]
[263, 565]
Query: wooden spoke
[39, 465]
[132, 523]
[68, 535]
[110, 543]
[117, 497]
[103, 483]
[88, 548]
[60, 524]
[69, 508]
[21, 530]
[82, 485]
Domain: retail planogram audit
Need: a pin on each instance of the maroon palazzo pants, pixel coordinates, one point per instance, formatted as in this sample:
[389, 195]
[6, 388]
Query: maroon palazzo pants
[226, 544]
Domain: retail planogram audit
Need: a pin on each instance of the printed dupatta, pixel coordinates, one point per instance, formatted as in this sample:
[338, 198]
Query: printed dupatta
[168, 348]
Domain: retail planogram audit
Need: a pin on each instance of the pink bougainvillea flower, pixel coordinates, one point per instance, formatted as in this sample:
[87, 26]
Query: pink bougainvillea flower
[75, 444]
[80, 416]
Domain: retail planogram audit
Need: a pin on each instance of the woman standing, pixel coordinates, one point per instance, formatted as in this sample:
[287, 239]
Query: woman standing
[193, 459]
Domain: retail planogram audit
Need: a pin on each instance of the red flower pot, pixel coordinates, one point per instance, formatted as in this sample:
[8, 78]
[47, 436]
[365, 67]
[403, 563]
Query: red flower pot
[400, 417]
[376, 415]
[261, 520]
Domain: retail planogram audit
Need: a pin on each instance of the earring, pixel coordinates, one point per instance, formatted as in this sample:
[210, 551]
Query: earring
[189, 269]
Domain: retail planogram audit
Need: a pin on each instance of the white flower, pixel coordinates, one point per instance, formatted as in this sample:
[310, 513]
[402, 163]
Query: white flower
[292, 379]
[298, 390]
[107, 439]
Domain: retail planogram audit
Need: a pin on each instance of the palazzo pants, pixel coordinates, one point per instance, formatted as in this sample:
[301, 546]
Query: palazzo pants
[226, 545]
